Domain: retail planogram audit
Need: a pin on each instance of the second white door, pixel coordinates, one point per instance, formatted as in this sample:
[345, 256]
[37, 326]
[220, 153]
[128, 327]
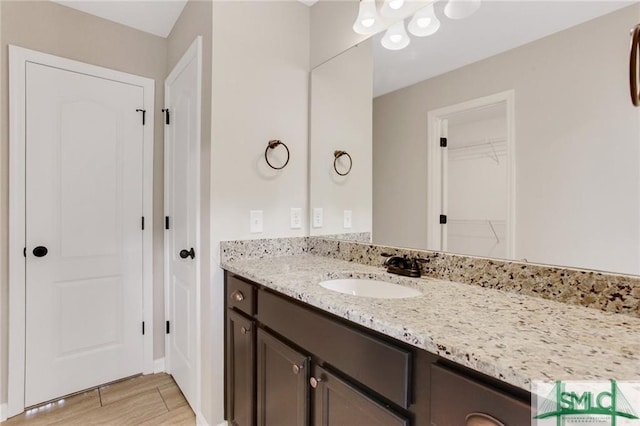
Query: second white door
[182, 209]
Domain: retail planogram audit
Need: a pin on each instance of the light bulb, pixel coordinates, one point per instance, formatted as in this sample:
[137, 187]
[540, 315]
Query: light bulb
[424, 22]
[393, 9]
[367, 20]
[460, 9]
[396, 37]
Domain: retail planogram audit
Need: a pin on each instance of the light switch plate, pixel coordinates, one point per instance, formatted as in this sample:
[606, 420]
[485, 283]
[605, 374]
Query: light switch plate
[347, 219]
[317, 217]
[255, 218]
[296, 218]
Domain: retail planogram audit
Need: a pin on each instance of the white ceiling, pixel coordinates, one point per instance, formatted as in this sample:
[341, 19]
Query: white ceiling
[155, 17]
[496, 27]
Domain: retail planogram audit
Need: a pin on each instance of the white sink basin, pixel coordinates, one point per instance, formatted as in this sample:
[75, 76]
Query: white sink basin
[370, 288]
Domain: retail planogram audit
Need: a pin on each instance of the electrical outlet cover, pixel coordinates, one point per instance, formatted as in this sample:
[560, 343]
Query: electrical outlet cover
[255, 218]
[317, 217]
[347, 219]
[296, 218]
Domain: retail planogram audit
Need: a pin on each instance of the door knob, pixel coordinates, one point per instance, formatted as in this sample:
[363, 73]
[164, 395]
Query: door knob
[296, 368]
[184, 253]
[40, 251]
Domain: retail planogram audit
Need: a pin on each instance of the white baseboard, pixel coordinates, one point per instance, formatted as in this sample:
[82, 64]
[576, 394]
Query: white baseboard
[3, 412]
[224, 423]
[201, 421]
[158, 365]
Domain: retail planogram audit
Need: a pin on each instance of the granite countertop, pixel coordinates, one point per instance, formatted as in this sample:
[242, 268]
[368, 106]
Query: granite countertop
[511, 337]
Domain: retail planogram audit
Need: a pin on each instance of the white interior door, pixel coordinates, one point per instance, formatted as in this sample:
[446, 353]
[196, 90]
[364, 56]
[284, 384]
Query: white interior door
[84, 180]
[182, 206]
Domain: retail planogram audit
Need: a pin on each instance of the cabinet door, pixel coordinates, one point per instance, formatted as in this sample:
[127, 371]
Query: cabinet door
[337, 403]
[283, 387]
[460, 400]
[240, 369]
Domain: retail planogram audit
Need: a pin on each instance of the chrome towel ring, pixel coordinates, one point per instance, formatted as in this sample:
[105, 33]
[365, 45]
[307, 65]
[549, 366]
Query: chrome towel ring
[338, 154]
[633, 66]
[273, 144]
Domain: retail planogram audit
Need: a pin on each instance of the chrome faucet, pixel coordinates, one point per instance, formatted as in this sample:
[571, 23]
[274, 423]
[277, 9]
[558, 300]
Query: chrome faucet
[402, 265]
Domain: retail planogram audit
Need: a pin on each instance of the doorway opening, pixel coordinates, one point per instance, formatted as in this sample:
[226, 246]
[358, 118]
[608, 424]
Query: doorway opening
[471, 187]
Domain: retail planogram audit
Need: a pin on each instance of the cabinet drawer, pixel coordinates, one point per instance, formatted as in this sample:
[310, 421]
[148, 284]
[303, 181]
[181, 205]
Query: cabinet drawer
[378, 365]
[459, 400]
[240, 295]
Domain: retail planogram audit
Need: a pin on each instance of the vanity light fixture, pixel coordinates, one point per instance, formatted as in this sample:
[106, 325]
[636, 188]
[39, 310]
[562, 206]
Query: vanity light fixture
[368, 22]
[396, 37]
[460, 9]
[394, 12]
[392, 9]
[424, 22]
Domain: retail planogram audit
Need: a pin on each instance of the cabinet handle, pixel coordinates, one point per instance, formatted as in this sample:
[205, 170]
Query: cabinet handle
[244, 330]
[237, 296]
[296, 368]
[481, 419]
[314, 382]
[633, 66]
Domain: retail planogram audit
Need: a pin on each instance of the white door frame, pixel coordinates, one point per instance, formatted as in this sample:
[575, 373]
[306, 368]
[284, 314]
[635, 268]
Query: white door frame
[18, 59]
[194, 51]
[436, 121]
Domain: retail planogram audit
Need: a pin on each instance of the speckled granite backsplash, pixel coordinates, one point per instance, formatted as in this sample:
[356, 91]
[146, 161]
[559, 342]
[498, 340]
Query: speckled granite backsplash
[605, 291]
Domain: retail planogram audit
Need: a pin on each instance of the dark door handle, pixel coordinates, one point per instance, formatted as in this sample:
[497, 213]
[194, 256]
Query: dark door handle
[184, 253]
[40, 251]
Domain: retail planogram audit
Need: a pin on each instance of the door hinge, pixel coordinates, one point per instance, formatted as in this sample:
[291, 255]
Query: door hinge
[24, 252]
[443, 219]
[166, 222]
[144, 113]
[142, 327]
[443, 142]
[168, 327]
[142, 222]
[167, 119]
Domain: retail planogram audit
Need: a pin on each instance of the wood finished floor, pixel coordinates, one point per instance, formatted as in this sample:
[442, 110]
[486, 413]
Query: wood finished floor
[154, 399]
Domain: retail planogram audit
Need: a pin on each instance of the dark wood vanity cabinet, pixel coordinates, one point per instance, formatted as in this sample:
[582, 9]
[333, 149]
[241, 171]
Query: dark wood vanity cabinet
[240, 369]
[282, 383]
[337, 402]
[289, 364]
[457, 399]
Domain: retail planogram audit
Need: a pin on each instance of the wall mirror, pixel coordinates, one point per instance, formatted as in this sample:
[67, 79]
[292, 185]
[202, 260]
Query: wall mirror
[542, 156]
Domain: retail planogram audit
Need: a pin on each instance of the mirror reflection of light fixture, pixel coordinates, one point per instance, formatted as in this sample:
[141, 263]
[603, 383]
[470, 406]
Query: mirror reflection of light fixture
[368, 21]
[424, 22]
[460, 9]
[396, 37]
[392, 9]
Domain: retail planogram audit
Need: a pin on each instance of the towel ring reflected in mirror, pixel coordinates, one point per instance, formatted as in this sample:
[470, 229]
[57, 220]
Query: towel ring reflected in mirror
[337, 155]
[273, 144]
[633, 66]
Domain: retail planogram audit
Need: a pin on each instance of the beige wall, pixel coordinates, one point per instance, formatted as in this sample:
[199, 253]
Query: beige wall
[196, 19]
[260, 92]
[331, 29]
[577, 153]
[48, 27]
[341, 92]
